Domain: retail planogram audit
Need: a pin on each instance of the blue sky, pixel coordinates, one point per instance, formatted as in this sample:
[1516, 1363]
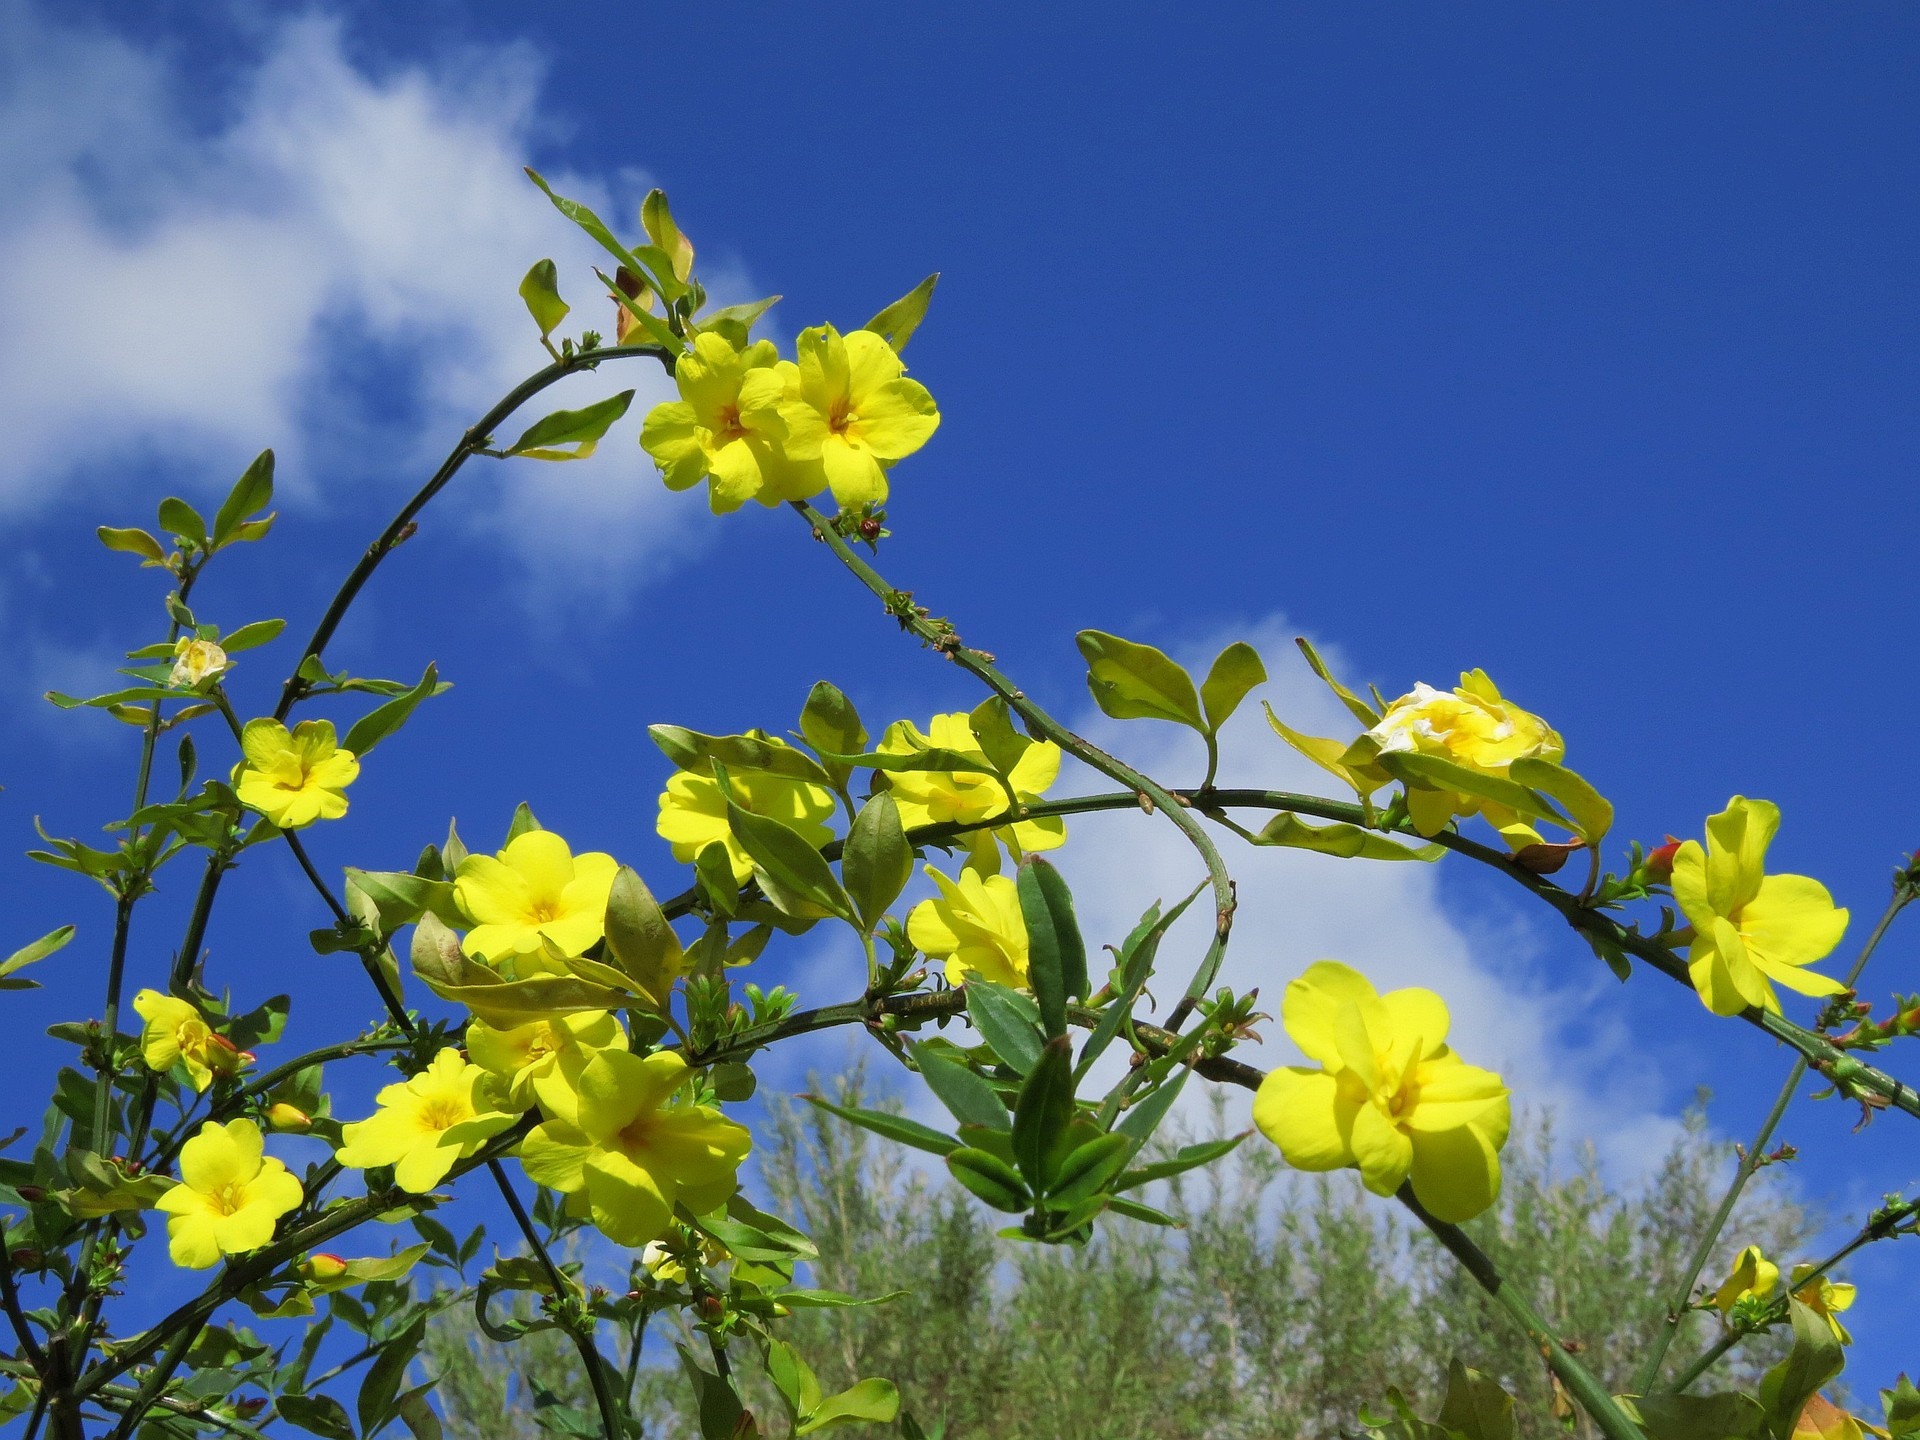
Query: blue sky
[1571, 343]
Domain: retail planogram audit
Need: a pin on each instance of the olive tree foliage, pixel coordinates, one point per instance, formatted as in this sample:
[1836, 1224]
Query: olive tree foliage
[576, 1040]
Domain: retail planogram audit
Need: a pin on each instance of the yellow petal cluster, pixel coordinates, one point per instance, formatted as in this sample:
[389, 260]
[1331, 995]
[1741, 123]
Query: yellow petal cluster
[693, 810]
[1474, 727]
[1751, 930]
[176, 1033]
[1752, 1278]
[196, 660]
[1386, 1095]
[1824, 1297]
[294, 777]
[230, 1196]
[630, 1155]
[541, 1061]
[975, 925]
[962, 797]
[534, 893]
[760, 428]
[427, 1124]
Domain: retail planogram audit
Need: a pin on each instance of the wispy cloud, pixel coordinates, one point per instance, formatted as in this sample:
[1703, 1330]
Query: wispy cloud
[329, 270]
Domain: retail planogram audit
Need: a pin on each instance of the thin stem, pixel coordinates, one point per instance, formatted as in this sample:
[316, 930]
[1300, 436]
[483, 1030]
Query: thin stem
[10, 1294]
[942, 637]
[157, 1378]
[1749, 1166]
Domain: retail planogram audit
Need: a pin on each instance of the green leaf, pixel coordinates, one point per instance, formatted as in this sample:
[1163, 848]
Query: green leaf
[1358, 708]
[877, 861]
[1136, 964]
[871, 1402]
[247, 637]
[657, 331]
[657, 220]
[320, 1414]
[714, 1398]
[398, 897]
[132, 541]
[251, 494]
[177, 517]
[696, 753]
[990, 1178]
[381, 1387]
[1042, 1113]
[932, 757]
[639, 939]
[742, 316]
[581, 429]
[1815, 1358]
[541, 290]
[587, 221]
[971, 1099]
[1336, 838]
[1902, 1409]
[1590, 811]
[1144, 1118]
[1134, 1210]
[894, 1127]
[1187, 1157]
[1056, 955]
[1008, 1022]
[792, 1377]
[28, 954]
[377, 724]
[1726, 1416]
[1133, 682]
[796, 878]
[1236, 670]
[1476, 1408]
[830, 723]
[522, 821]
[898, 321]
[1088, 1169]
[992, 725]
[1435, 773]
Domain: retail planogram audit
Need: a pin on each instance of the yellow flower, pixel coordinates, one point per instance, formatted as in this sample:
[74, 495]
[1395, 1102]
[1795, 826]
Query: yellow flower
[294, 779]
[1753, 1277]
[693, 810]
[178, 1034]
[664, 1267]
[425, 1125]
[1473, 727]
[1389, 1097]
[542, 1061]
[1824, 1298]
[629, 1157]
[535, 892]
[229, 1198]
[976, 925]
[726, 426]
[935, 797]
[849, 406]
[1751, 929]
[196, 660]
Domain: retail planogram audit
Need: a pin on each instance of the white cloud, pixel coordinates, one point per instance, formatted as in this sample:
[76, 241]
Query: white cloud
[187, 295]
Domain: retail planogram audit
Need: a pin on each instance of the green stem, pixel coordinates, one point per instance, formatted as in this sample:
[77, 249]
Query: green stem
[157, 1379]
[940, 636]
[1748, 1167]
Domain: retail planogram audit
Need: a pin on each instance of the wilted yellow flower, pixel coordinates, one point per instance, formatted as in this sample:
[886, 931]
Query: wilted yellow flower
[936, 797]
[630, 1156]
[542, 1061]
[726, 426]
[177, 1033]
[1389, 1098]
[661, 1265]
[196, 660]
[230, 1195]
[849, 406]
[1472, 727]
[1824, 1297]
[427, 1124]
[1752, 930]
[535, 892]
[294, 778]
[693, 810]
[976, 926]
[1753, 1278]
[1821, 1419]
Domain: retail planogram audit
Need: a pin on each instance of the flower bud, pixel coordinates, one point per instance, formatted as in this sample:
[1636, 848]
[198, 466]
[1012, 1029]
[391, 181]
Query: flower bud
[1659, 864]
[708, 1307]
[322, 1266]
[287, 1119]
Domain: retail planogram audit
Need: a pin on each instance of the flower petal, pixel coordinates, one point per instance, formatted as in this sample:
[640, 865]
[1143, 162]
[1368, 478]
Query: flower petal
[1304, 1113]
[1456, 1173]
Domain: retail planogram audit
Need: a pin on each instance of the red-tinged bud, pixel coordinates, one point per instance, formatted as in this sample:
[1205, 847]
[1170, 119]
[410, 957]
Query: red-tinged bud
[1660, 861]
[323, 1266]
[287, 1119]
[1546, 858]
[708, 1307]
[869, 530]
[32, 1194]
[250, 1407]
[26, 1258]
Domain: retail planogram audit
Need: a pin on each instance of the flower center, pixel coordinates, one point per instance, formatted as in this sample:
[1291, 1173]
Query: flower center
[442, 1114]
[228, 1198]
[841, 417]
[730, 428]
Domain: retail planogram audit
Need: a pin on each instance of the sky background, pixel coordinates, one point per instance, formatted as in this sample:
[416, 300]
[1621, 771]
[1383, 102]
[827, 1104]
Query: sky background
[1573, 343]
